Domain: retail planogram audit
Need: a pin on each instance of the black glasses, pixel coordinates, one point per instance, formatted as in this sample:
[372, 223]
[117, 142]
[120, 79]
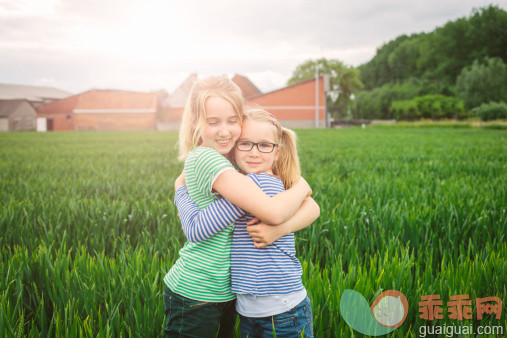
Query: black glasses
[263, 147]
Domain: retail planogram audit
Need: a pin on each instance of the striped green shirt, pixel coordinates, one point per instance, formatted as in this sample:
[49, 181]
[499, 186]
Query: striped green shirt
[202, 272]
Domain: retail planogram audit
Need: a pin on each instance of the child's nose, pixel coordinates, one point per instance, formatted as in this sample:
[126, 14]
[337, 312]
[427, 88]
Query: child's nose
[223, 130]
[254, 151]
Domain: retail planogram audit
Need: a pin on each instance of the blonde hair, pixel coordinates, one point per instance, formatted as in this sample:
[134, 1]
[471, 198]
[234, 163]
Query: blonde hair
[287, 165]
[194, 115]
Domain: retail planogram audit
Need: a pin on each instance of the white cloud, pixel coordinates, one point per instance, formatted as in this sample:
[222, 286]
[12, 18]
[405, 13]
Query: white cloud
[153, 44]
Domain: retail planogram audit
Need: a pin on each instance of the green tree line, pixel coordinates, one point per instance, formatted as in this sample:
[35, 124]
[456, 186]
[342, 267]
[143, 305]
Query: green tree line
[456, 71]
[448, 73]
[442, 54]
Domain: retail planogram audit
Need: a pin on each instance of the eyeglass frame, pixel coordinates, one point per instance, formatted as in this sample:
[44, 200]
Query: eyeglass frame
[257, 145]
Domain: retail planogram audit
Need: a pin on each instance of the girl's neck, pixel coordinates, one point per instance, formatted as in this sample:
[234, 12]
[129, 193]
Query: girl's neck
[267, 172]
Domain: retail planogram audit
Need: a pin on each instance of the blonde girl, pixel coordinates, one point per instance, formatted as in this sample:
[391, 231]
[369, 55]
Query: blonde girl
[270, 295]
[198, 299]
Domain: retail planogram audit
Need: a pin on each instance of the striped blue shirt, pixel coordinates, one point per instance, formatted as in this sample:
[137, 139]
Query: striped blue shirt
[272, 270]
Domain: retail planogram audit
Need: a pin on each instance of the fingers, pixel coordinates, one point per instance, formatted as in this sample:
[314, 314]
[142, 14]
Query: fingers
[252, 229]
[253, 221]
[258, 238]
[259, 245]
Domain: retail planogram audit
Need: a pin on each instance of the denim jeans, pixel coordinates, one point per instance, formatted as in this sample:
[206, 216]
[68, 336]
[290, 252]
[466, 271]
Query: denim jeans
[293, 323]
[193, 318]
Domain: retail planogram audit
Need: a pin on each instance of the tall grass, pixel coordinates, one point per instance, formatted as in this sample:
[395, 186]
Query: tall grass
[88, 228]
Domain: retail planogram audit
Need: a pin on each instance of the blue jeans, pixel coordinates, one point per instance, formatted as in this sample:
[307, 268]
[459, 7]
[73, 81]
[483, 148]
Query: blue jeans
[186, 317]
[293, 323]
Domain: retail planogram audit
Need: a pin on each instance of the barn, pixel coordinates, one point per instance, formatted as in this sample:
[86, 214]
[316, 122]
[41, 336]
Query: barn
[17, 115]
[102, 110]
[58, 115]
[295, 105]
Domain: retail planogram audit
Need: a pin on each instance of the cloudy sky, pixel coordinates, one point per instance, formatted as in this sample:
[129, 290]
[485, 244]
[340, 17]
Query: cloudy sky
[145, 45]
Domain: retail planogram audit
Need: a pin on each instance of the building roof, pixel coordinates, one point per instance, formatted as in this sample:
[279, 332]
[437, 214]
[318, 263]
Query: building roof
[31, 93]
[64, 106]
[247, 87]
[179, 97]
[7, 107]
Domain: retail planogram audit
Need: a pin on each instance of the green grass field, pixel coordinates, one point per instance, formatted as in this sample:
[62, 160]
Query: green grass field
[88, 228]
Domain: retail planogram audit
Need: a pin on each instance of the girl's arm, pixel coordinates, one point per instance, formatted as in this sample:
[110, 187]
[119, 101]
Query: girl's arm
[199, 225]
[244, 193]
[264, 234]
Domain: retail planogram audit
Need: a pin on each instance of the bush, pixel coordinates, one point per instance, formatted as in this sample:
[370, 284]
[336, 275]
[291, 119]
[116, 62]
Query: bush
[483, 82]
[491, 111]
[376, 103]
[433, 107]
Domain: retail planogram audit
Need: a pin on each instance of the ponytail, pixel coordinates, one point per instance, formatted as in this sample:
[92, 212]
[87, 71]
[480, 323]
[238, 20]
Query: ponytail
[287, 166]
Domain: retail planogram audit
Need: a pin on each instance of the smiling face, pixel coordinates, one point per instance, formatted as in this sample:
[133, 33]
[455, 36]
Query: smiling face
[254, 161]
[222, 128]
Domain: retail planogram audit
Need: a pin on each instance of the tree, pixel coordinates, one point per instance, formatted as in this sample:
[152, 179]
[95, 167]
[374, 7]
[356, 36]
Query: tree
[403, 60]
[378, 71]
[441, 54]
[343, 81]
[483, 83]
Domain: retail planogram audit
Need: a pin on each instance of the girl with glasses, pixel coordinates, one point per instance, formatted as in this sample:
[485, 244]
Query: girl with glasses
[265, 278]
[198, 300]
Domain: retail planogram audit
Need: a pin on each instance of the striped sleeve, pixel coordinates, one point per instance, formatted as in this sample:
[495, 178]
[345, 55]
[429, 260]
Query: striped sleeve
[207, 166]
[255, 179]
[199, 225]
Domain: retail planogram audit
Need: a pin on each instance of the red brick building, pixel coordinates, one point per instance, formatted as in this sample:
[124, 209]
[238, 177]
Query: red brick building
[102, 110]
[59, 115]
[295, 105]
